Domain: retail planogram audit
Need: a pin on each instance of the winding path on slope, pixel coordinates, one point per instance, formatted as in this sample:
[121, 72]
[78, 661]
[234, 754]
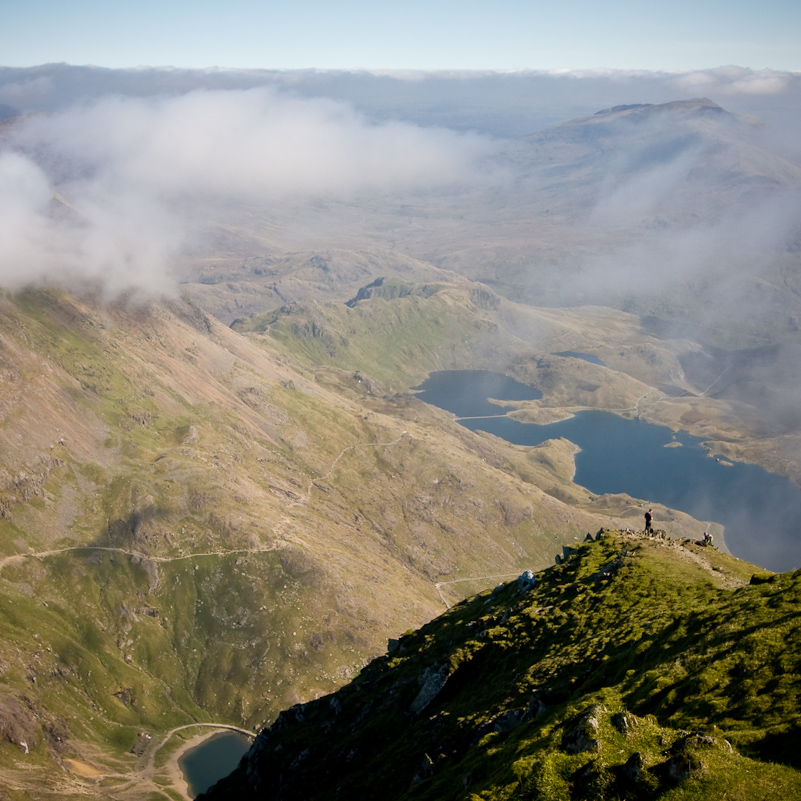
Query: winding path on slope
[19, 558]
[144, 775]
[471, 578]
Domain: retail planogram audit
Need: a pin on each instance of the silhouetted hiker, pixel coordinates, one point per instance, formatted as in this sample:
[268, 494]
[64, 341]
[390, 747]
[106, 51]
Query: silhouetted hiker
[648, 518]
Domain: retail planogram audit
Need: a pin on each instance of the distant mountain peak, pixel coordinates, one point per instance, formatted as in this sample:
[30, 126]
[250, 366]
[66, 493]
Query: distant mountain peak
[612, 127]
[696, 103]
[703, 104]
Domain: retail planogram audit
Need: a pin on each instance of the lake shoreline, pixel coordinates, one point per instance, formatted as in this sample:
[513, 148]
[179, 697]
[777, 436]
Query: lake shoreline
[616, 454]
[172, 769]
[216, 762]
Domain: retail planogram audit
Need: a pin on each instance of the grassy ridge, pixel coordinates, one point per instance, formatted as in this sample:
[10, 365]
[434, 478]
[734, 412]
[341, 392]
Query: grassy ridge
[186, 509]
[392, 340]
[628, 671]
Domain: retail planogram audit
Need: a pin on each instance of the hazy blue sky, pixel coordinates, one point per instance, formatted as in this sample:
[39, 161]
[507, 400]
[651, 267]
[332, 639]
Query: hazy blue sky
[436, 34]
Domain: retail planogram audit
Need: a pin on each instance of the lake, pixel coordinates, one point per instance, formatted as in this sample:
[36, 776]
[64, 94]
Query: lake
[759, 510]
[466, 392]
[212, 760]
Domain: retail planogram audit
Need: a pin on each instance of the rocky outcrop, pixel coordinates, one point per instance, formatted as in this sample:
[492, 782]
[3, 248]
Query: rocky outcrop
[583, 732]
[526, 581]
[432, 682]
[26, 483]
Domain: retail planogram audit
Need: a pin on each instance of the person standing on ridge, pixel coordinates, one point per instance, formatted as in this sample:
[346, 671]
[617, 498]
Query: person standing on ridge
[648, 518]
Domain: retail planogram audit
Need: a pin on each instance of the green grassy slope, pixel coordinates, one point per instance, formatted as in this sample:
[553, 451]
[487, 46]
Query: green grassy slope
[184, 511]
[628, 671]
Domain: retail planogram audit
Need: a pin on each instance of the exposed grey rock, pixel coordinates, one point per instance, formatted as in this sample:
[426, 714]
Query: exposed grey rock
[699, 740]
[537, 703]
[299, 759]
[432, 681]
[624, 721]
[609, 569]
[426, 770]
[191, 436]
[632, 770]
[526, 581]
[591, 780]
[633, 781]
[683, 759]
[18, 722]
[582, 736]
[500, 723]
[679, 767]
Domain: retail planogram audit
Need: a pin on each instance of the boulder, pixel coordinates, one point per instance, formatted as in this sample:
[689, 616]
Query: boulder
[582, 733]
[526, 581]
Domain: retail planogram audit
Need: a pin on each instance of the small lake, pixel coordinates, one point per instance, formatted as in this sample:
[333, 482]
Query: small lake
[212, 760]
[465, 393]
[761, 512]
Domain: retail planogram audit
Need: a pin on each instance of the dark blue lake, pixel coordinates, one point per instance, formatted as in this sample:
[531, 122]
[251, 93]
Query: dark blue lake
[761, 512]
[466, 392]
[212, 760]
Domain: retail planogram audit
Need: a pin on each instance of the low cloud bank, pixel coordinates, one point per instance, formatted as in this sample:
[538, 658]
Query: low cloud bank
[111, 190]
[139, 158]
[510, 103]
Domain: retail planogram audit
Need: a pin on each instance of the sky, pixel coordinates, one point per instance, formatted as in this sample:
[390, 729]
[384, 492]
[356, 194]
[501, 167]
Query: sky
[430, 35]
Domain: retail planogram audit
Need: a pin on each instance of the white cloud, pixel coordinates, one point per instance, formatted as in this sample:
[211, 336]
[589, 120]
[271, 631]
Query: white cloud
[737, 81]
[28, 93]
[257, 143]
[128, 166]
[117, 241]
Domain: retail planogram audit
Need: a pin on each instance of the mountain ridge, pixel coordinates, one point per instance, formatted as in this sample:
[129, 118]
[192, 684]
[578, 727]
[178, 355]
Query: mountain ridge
[628, 671]
[208, 522]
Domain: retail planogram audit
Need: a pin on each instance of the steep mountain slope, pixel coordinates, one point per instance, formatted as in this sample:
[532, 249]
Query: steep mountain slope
[185, 509]
[638, 668]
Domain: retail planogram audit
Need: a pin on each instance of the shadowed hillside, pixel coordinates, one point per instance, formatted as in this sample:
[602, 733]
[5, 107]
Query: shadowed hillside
[637, 668]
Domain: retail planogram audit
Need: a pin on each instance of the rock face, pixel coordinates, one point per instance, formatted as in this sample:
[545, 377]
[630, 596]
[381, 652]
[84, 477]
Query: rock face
[583, 734]
[432, 681]
[26, 726]
[557, 692]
